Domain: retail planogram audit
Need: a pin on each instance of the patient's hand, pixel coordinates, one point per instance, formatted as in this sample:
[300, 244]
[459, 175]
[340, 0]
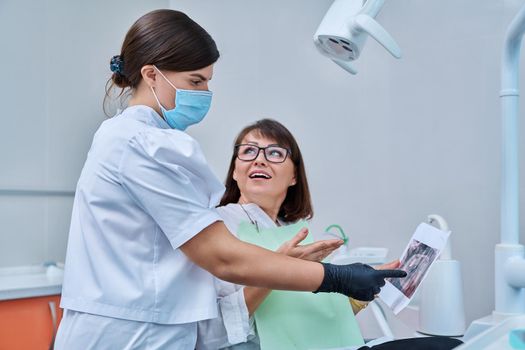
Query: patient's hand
[316, 251]
[389, 266]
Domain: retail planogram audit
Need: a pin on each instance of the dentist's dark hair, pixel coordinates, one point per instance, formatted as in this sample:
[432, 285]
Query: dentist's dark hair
[297, 203]
[168, 39]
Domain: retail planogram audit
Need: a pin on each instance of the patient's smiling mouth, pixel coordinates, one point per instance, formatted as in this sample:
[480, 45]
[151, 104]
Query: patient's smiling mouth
[259, 174]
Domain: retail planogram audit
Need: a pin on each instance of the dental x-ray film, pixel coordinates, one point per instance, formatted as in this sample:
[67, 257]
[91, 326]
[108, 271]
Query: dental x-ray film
[423, 249]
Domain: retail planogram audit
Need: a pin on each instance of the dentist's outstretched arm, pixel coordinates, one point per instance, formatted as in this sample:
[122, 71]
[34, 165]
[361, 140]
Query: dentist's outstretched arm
[216, 250]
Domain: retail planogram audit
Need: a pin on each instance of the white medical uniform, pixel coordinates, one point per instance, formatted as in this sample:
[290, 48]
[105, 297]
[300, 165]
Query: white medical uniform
[145, 190]
[233, 328]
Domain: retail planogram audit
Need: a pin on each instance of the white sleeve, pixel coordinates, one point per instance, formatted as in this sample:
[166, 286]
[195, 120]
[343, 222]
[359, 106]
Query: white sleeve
[231, 327]
[167, 175]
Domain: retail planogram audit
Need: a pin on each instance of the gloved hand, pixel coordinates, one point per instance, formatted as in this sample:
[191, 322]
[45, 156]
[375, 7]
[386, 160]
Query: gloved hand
[358, 281]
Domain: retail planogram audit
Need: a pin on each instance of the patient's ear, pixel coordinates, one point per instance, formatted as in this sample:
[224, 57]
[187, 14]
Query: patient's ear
[234, 175]
[294, 178]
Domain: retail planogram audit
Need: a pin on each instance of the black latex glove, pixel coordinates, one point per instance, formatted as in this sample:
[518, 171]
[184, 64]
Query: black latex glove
[358, 281]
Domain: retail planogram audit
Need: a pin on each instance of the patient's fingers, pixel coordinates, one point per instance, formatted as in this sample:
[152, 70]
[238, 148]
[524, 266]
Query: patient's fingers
[319, 250]
[299, 237]
[389, 266]
[328, 244]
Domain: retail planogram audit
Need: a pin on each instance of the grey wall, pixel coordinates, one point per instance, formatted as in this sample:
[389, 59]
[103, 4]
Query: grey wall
[402, 139]
[55, 58]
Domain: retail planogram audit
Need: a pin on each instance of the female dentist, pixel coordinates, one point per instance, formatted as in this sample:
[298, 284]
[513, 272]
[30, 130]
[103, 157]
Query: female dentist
[144, 233]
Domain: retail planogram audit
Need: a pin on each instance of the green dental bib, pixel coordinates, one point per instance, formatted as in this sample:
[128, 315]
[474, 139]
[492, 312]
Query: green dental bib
[300, 320]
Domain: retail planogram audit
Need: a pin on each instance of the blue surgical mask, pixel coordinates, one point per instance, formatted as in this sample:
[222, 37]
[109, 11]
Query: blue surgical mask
[191, 106]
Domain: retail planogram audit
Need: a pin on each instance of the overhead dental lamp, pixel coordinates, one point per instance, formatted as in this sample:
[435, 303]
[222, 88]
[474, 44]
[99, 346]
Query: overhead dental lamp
[342, 33]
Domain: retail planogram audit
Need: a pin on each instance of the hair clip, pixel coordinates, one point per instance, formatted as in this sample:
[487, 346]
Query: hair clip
[116, 64]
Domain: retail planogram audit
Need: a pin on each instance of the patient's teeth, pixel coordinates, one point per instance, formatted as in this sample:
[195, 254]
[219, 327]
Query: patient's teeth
[259, 175]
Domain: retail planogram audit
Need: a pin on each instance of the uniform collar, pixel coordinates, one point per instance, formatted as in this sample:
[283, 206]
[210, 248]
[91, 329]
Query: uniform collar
[147, 115]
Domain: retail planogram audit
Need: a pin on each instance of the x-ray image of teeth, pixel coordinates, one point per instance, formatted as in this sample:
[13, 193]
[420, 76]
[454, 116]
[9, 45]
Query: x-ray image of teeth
[421, 252]
[416, 262]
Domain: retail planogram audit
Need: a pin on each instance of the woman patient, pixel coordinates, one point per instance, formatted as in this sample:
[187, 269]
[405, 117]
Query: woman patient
[267, 202]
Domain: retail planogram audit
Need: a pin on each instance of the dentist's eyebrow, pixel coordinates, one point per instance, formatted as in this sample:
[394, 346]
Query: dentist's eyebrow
[200, 76]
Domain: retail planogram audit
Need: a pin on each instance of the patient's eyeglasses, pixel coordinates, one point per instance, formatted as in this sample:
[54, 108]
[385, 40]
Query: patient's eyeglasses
[273, 153]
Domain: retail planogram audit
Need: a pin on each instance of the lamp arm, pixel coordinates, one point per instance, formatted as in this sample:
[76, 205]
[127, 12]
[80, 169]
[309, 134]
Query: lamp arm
[376, 31]
[372, 7]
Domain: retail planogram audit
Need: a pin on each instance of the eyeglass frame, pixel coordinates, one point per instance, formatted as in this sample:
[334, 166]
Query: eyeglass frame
[236, 147]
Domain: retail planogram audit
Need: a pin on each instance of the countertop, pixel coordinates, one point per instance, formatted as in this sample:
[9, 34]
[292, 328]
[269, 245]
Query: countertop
[30, 281]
